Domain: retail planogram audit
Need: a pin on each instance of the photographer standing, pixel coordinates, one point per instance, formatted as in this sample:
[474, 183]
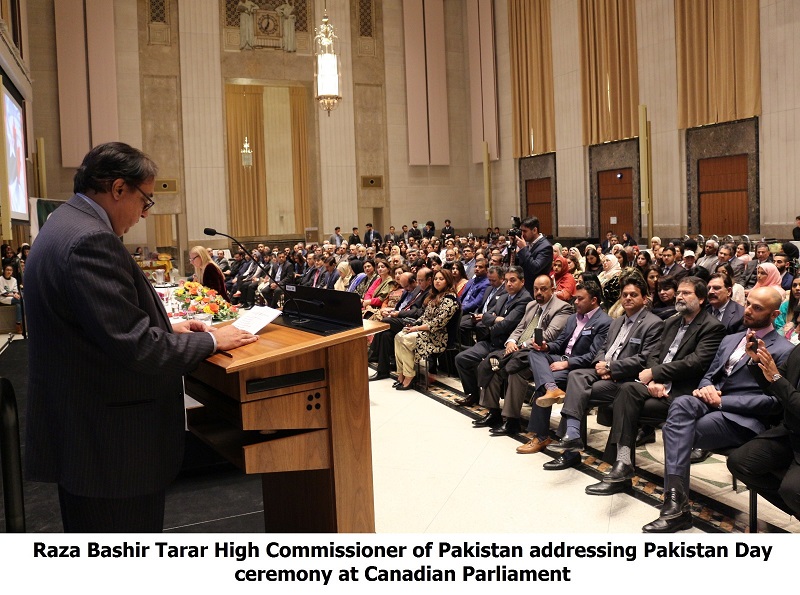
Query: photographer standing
[534, 252]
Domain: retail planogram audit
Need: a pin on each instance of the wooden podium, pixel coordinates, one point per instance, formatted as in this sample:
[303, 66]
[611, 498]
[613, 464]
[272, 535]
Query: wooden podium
[294, 408]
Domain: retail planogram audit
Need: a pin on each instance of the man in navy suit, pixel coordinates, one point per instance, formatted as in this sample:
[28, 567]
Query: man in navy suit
[105, 399]
[549, 364]
[534, 252]
[727, 409]
[777, 449]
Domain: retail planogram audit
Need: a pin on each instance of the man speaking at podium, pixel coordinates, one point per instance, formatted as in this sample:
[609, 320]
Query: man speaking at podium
[105, 398]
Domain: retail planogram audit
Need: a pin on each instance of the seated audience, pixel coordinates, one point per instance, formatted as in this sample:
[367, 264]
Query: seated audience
[429, 334]
[788, 321]
[9, 294]
[721, 306]
[563, 279]
[737, 291]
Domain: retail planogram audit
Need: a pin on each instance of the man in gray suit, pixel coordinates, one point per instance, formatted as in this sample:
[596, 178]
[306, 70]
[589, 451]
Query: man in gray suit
[105, 398]
[631, 340]
[727, 409]
[545, 312]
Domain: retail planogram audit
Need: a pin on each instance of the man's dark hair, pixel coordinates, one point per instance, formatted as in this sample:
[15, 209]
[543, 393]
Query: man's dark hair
[668, 249]
[517, 270]
[700, 288]
[593, 288]
[530, 223]
[430, 224]
[112, 161]
[499, 271]
[726, 281]
[330, 261]
[369, 224]
[634, 278]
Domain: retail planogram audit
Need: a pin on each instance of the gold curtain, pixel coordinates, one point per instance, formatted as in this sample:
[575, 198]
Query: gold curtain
[533, 119]
[247, 186]
[164, 236]
[719, 61]
[299, 115]
[609, 70]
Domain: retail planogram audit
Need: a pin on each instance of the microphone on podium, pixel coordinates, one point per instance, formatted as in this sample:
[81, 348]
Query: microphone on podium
[210, 231]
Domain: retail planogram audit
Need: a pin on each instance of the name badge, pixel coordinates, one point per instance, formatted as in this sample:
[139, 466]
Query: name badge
[586, 332]
[636, 341]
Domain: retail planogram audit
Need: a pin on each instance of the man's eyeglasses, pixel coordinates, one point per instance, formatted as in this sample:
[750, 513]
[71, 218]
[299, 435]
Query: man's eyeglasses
[148, 200]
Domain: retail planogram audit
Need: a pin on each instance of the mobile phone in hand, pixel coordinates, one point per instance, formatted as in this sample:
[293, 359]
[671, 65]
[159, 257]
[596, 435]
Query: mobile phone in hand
[538, 336]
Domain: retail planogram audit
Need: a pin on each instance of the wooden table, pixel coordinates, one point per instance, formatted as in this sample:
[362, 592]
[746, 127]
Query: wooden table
[294, 407]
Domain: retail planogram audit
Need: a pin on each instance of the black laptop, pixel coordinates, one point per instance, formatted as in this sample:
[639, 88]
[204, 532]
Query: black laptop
[320, 311]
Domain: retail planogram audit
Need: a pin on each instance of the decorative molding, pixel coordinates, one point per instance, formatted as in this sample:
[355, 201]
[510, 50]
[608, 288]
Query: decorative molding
[158, 34]
[13, 50]
[366, 46]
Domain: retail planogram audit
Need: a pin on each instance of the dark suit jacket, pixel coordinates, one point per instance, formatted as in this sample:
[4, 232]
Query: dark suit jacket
[743, 399]
[287, 272]
[535, 259]
[416, 307]
[511, 311]
[786, 391]
[642, 341]
[731, 318]
[370, 237]
[695, 352]
[591, 339]
[105, 394]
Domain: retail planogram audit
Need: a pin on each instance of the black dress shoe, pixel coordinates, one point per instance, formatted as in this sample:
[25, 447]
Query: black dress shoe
[490, 420]
[675, 514]
[395, 384]
[509, 428]
[699, 455]
[563, 445]
[377, 376]
[645, 435]
[466, 401]
[565, 461]
[404, 387]
[619, 472]
[605, 488]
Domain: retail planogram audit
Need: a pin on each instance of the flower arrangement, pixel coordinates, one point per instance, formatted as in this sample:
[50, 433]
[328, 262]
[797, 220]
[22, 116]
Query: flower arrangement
[199, 299]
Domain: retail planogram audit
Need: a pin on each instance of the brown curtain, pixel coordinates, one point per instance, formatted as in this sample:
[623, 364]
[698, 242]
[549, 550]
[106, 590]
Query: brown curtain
[247, 187]
[719, 61]
[164, 236]
[609, 70]
[297, 104]
[532, 94]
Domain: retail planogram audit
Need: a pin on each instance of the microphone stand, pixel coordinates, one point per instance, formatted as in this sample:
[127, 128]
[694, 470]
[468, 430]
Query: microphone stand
[209, 231]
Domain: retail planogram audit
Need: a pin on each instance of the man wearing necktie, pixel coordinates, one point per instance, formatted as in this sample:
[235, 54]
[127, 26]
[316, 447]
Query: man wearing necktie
[496, 325]
[631, 339]
[727, 409]
[551, 362]
[546, 312]
[721, 306]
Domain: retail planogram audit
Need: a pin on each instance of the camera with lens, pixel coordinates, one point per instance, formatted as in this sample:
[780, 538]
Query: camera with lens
[515, 232]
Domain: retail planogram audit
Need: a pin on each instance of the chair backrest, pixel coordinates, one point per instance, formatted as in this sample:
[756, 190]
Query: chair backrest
[453, 325]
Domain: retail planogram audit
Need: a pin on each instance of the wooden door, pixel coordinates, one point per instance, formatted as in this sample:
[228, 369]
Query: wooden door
[538, 195]
[615, 193]
[722, 183]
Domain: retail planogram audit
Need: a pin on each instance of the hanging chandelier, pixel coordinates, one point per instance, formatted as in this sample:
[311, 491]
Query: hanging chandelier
[247, 154]
[326, 66]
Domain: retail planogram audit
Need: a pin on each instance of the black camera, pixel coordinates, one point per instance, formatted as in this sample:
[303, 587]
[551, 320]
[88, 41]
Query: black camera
[515, 232]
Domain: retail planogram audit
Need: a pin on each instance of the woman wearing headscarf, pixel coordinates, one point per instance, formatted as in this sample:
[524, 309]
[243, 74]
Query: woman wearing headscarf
[563, 279]
[769, 276]
[345, 275]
